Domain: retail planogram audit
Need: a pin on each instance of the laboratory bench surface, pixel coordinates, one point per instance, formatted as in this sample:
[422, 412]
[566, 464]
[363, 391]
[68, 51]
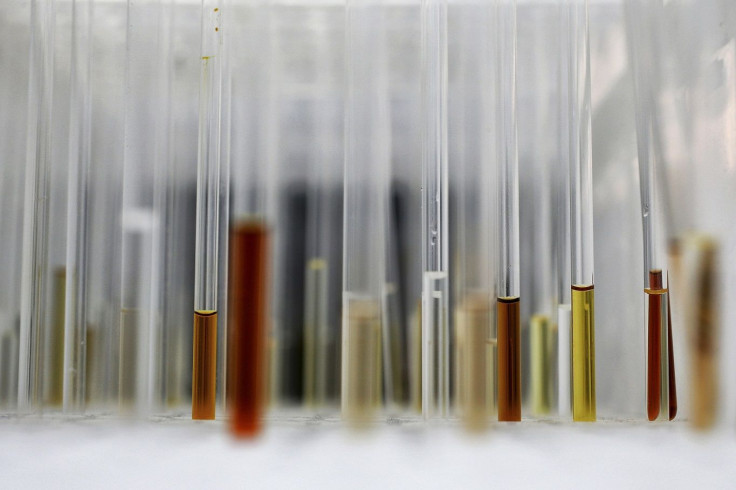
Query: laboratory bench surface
[53, 451]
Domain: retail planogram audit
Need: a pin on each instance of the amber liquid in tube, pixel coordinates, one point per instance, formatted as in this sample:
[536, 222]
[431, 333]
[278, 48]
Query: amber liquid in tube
[509, 359]
[248, 299]
[658, 302]
[204, 365]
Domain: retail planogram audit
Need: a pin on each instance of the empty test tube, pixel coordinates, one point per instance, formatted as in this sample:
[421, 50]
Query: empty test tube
[80, 149]
[435, 229]
[36, 206]
[562, 224]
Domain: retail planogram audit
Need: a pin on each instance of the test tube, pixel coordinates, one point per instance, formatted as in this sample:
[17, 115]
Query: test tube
[700, 259]
[507, 273]
[562, 224]
[435, 291]
[53, 330]
[162, 241]
[698, 238]
[470, 117]
[581, 214]
[542, 297]
[54, 341]
[80, 147]
[105, 228]
[322, 233]
[13, 93]
[36, 205]
[9, 273]
[661, 394]
[204, 338]
[143, 217]
[367, 157]
[250, 245]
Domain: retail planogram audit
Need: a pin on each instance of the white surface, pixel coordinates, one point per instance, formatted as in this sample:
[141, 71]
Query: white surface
[306, 453]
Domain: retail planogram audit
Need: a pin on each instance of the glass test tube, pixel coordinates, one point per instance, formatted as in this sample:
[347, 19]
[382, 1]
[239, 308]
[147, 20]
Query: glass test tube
[106, 218]
[696, 259]
[699, 270]
[474, 177]
[143, 218]
[367, 157]
[508, 288]
[162, 267]
[543, 299]
[10, 201]
[543, 324]
[435, 291]
[36, 205]
[135, 225]
[250, 238]
[661, 394]
[54, 360]
[224, 207]
[581, 214]
[562, 224]
[80, 147]
[326, 160]
[53, 341]
[104, 230]
[204, 337]
[676, 143]
[13, 92]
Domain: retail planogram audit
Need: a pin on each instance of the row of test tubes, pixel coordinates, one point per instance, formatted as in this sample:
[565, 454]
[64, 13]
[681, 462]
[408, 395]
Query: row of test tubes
[254, 205]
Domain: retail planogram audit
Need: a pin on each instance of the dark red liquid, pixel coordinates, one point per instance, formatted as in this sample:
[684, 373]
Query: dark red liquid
[509, 360]
[671, 368]
[248, 299]
[654, 356]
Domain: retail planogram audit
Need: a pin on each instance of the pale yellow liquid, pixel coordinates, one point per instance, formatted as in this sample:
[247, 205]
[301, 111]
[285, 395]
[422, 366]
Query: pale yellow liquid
[475, 387]
[543, 340]
[363, 390]
[315, 349]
